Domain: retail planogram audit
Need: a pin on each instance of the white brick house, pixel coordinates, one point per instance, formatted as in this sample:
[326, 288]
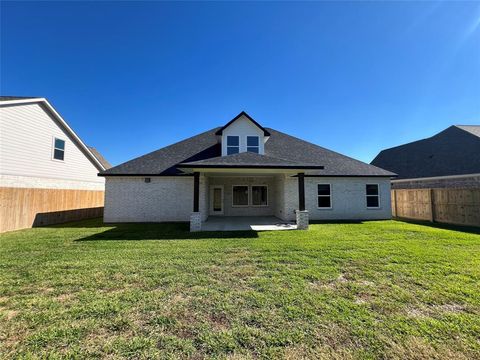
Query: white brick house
[243, 169]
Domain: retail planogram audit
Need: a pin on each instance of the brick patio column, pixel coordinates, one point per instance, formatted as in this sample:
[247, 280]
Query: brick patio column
[196, 217]
[196, 191]
[301, 214]
[301, 191]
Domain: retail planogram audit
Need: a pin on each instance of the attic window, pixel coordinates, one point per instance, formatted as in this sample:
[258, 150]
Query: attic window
[233, 145]
[58, 149]
[253, 144]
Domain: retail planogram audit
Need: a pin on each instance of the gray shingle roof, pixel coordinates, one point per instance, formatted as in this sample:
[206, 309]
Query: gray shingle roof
[248, 160]
[454, 151]
[8, 98]
[100, 157]
[280, 146]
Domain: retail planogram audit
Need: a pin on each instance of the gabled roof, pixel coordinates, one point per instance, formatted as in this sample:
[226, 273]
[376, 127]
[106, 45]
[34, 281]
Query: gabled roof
[453, 151]
[248, 160]
[100, 158]
[243, 113]
[279, 149]
[472, 129]
[18, 100]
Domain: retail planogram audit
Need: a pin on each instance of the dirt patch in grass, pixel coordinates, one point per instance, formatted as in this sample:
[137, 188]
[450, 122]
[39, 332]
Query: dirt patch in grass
[424, 311]
[64, 297]
[8, 314]
[339, 281]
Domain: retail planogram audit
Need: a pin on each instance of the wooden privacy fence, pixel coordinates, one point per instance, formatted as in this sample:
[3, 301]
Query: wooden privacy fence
[27, 207]
[452, 206]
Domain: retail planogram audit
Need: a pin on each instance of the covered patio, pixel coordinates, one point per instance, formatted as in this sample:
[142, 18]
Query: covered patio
[247, 190]
[239, 223]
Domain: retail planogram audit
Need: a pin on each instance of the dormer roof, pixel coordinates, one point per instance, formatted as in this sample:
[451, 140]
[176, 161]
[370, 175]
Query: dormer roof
[243, 113]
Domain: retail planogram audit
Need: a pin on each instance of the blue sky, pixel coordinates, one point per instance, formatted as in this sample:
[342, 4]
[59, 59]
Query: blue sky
[352, 77]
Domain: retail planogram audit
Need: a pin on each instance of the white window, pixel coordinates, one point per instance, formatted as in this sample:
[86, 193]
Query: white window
[259, 195]
[233, 145]
[373, 197]
[253, 144]
[240, 195]
[324, 194]
[58, 149]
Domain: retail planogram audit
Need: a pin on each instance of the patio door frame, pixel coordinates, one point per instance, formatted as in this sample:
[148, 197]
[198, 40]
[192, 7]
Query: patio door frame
[212, 191]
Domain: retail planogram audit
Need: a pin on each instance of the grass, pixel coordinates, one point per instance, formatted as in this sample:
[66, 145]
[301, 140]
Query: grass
[382, 289]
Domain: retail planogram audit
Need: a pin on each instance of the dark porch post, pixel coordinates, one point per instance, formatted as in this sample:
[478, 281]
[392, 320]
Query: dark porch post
[196, 191]
[301, 191]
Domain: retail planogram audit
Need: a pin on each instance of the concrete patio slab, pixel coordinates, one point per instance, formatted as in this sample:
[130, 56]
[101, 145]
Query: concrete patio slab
[256, 223]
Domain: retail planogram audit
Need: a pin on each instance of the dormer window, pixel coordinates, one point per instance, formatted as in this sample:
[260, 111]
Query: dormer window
[233, 145]
[253, 144]
[242, 134]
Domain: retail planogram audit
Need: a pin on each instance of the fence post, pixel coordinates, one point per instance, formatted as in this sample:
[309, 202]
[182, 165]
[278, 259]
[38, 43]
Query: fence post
[432, 205]
[394, 202]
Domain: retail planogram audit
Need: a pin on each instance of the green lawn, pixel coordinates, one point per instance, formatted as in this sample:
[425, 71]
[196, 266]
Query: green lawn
[381, 289]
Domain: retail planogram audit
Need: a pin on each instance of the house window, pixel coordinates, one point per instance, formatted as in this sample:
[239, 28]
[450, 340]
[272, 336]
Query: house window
[253, 144]
[240, 195]
[373, 197]
[59, 149]
[324, 196]
[233, 145]
[259, 195]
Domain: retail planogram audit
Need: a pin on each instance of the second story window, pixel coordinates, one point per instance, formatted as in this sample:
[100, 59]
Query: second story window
[253, 144]
[59, 149]
[233, 145]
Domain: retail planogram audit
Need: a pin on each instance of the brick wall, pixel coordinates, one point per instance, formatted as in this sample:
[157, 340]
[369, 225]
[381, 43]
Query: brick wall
[348, 198]
[131, 199]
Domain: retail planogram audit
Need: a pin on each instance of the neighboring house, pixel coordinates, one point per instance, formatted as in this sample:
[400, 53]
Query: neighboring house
[245, 169]
[46, 171]
[449, 159]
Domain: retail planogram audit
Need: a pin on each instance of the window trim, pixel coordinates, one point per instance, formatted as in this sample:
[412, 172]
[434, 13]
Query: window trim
[257, 146]
[330, 196]
[248, 196]
[232, 146]
[378, 196]
[251, 195]
[54, 148]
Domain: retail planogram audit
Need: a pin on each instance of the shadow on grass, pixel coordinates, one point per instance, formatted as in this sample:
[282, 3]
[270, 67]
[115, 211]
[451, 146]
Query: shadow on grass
[161, 231]
[96, 222]
[461, 228]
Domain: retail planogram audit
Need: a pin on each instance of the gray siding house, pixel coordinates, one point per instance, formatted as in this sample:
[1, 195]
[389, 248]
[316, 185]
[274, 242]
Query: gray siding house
[449, 159]
[243, 169]
[39, 149]
[47, 173]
